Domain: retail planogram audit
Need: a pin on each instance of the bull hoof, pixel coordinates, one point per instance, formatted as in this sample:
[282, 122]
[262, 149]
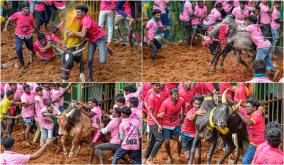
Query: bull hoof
[71, 155]
[65, 153]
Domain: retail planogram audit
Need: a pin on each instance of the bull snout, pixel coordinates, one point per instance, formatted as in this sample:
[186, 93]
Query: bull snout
[64, 76]
[222, 124]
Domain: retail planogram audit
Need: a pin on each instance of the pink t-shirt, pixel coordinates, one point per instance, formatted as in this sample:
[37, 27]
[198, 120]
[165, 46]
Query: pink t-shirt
[236, 3]
[56, 38]
[265, 154]
[19, 92]
[160, 5]
[188, 126]
[241, 93]
[11, 158]
[203, 88]
[265, 17]
[186, 95]
[187, 11]
[136, 94]
[44, 54]
[46, 122]
[172, 112]
[213, 17]
[38, 107]
[154, 101]
[275, 15]
[256, 131]
[107, 5]
[152, 27]
[130, 129]
[257, 36]
[27, 111]
[54, 95]
[39, 6]
[113, 127]
[60, 4]
[126, 8]
[24, 23]
[46, 95]
[98, 115]
[227, 6]
[94, 31]
[260, 80]
[199, 11]
[240, 15]
[7, 87]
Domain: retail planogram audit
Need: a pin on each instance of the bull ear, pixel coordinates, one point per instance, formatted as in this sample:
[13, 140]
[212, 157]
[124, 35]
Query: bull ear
[60, 51]
[224, 96]
[78, 51]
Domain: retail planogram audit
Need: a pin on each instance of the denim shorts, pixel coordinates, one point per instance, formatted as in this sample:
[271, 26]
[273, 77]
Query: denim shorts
[249, 154]
[186, 141]
[28, 120]
[195, 27]
[168, 134]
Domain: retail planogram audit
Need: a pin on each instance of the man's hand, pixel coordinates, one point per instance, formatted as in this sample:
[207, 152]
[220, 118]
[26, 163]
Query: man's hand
[159, 128]
[200, 112]
[262, 109]
[50, 140]
[161, 114]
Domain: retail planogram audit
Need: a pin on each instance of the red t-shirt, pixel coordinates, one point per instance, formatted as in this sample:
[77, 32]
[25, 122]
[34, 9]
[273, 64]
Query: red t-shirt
[94, 31]
[186, 95]
[223, 87]
[188, 126]
[172, 112]
[154, 101]
[203, 88]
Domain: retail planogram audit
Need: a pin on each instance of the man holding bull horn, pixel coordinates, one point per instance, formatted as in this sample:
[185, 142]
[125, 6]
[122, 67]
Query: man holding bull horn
[95, 36]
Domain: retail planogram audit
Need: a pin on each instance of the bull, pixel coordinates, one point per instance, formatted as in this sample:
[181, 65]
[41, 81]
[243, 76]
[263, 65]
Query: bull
[76, 124]
[215, 123]
[222, 45]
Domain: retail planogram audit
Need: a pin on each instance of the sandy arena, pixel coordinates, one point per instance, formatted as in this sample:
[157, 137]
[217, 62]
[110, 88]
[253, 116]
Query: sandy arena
[177, 63]
[162, 156]
[50, 156]
[124, 65]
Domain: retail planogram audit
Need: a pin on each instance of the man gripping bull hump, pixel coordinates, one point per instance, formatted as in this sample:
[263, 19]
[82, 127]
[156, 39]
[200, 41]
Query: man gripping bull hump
[95, 36]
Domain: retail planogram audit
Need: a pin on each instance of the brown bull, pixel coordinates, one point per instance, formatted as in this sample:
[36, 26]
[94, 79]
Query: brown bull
[76, 124]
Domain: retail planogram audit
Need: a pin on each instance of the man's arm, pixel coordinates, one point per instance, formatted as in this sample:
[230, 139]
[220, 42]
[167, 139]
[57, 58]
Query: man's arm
[6, 25]
[246, 120]
[81, 34]
[39, 152]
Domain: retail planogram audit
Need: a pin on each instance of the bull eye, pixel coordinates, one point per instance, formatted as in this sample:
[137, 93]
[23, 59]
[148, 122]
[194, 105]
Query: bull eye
[67, 57]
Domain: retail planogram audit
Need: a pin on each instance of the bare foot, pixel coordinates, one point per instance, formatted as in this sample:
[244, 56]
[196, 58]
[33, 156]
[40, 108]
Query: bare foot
[149, 162]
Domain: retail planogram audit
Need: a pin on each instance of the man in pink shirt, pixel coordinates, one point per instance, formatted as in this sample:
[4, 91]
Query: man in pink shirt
[186, 12]
[199, 14]
[255, 124]
[188, 130]
[39, 105]
[27, 113]
[269, 151]
[170, 111]
[240, 13]
[94, 34]
[131, 91]
[24, 25]
[214, 16]
[136, 111]
[129, 132]
[40, 14]
[113, 128]
[259, 68]
[155, 129]
[265, 18]
[275, 24]
[151, 31]
[186, 92]
[43, 46]
[263, 44]
[96, 116]
[10, 157]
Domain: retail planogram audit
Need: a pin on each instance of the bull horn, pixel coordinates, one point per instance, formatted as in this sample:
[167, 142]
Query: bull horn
[239, 103]
[224, 96]
[60, 51]
[78, 51]
[54, 107]
[203, 36]
[70, 113]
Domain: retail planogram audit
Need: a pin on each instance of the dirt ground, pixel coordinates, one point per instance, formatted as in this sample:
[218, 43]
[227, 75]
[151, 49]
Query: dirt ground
[50, 156]
[123, 66]
[177, 63]
[162, 156]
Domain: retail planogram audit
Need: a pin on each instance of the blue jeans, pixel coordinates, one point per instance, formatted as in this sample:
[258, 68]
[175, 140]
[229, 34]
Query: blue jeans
[275, 37]
[109, 15]
[135, 155]
[265, 54]
[169, 134]
[47, 133]
[19, 48]
[100, 43]
[248, 156]
[166, 22]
